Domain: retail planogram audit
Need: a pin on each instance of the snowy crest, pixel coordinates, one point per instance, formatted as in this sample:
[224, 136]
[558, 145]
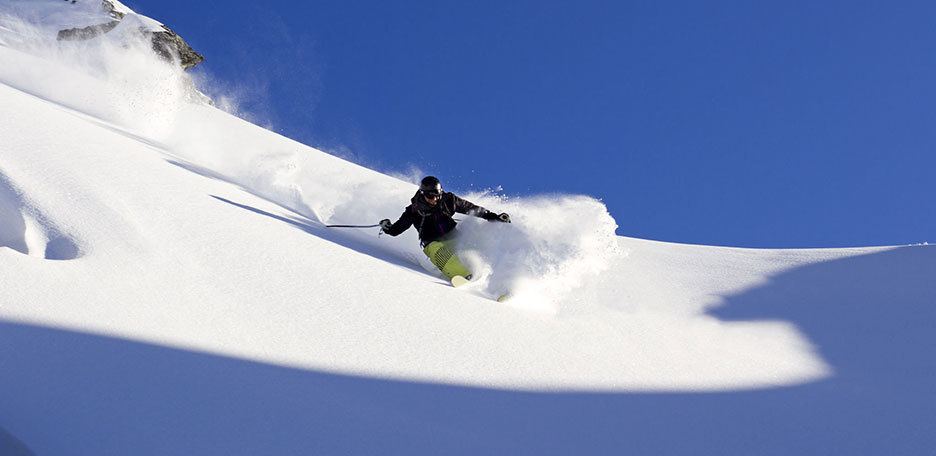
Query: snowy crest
[115, 76]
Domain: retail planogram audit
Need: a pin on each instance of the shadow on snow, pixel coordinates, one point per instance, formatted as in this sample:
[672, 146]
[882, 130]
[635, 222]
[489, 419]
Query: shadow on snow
[63, 392]
[329, 234]
[308, 224]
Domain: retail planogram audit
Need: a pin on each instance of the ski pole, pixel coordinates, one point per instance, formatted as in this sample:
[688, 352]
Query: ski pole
[352, 226]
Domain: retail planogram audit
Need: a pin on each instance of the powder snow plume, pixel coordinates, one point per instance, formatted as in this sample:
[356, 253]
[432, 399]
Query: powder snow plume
[554, 243]
[115, 77]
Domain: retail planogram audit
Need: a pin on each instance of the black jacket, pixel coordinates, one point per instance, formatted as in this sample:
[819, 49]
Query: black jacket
[434, 222]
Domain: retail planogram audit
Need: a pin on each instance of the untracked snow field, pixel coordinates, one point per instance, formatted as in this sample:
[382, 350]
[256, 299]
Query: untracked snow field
[168, 286]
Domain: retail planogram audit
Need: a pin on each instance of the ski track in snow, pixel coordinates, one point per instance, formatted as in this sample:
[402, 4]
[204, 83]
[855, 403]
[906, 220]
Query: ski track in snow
[26, 230]
[199, 271]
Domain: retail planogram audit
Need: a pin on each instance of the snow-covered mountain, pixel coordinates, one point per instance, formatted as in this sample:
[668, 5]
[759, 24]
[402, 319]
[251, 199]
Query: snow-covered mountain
[93, 19]
[168, 286]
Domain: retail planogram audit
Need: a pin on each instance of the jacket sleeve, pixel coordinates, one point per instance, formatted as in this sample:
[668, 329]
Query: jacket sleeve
[463, 206]
[403, 224]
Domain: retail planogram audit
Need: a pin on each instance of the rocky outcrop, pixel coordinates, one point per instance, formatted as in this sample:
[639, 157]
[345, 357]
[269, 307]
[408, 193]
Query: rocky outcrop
[165, 42]
[112, 10]
[86, 33]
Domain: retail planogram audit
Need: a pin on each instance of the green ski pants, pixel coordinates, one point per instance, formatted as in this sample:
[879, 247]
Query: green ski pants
[442, 254]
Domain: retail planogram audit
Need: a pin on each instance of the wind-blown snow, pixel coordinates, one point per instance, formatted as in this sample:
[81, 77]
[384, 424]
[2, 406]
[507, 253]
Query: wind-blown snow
[130, 212]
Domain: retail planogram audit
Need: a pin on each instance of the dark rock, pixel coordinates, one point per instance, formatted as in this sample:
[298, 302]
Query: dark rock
[166, 43]
[110, 9]
[86, 33]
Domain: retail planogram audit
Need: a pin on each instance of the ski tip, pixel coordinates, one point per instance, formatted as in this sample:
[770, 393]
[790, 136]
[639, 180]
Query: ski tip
[503, 298]
[459, 281]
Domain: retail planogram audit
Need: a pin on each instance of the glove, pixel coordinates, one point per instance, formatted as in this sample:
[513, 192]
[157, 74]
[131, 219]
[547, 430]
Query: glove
[503, 217]
[385, 225]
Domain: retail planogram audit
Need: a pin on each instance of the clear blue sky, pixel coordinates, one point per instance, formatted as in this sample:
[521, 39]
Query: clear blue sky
[756, 124]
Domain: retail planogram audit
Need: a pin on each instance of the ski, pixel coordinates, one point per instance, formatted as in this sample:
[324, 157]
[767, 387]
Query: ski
[459, 281]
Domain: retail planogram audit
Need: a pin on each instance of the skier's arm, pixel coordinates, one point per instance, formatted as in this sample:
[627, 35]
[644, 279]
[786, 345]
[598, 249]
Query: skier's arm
[467, 207]
[401, 225]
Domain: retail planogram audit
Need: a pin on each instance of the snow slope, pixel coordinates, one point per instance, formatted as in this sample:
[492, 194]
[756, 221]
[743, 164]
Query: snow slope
[169, 287]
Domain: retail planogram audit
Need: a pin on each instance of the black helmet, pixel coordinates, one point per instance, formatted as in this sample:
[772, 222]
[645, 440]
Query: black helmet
[430, 185]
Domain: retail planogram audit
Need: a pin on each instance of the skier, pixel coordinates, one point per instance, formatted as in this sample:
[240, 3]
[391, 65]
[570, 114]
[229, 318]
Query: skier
[431, 212]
